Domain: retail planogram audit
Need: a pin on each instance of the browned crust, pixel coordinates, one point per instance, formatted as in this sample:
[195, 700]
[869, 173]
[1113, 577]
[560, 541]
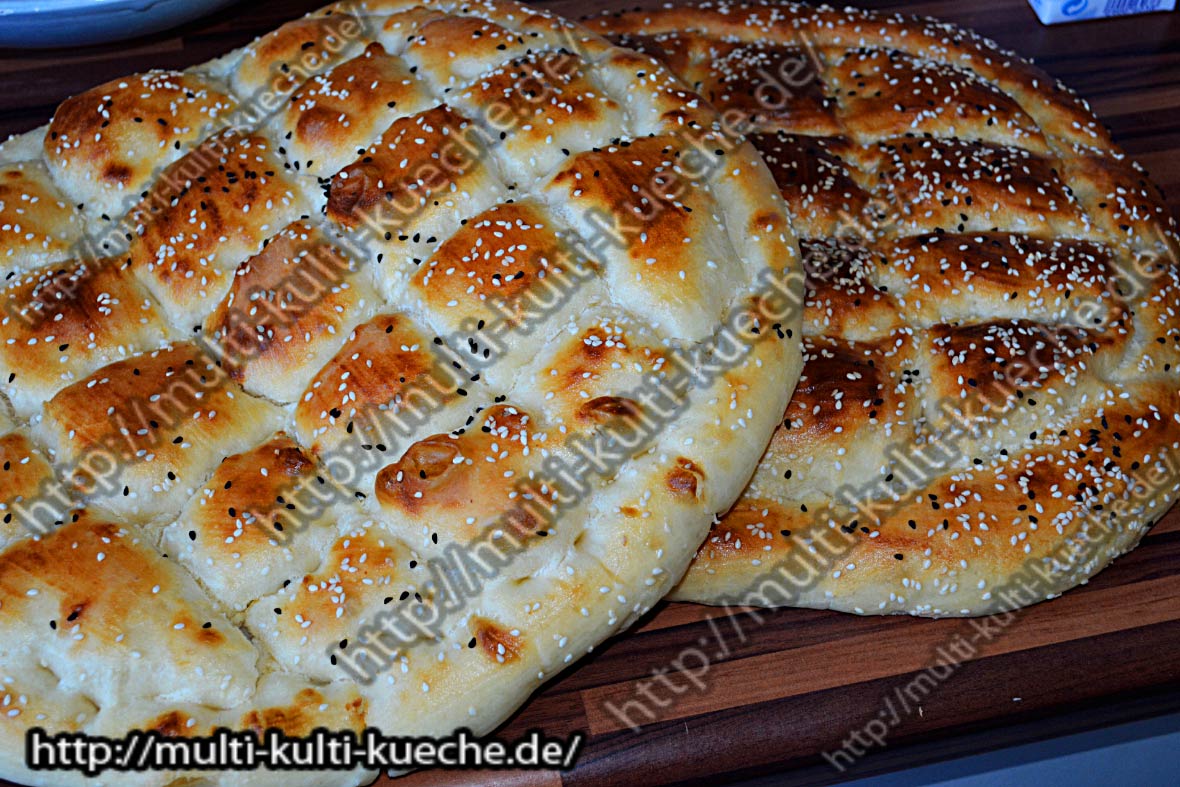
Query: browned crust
[201, 469]
[105, 144]
[979, 255]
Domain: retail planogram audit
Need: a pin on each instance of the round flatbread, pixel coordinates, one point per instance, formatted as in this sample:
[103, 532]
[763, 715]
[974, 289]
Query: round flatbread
[988, 409]
[368, 376]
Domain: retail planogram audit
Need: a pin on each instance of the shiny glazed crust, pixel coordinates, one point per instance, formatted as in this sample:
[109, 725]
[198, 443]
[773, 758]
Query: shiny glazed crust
[989, 398]
[303, 360]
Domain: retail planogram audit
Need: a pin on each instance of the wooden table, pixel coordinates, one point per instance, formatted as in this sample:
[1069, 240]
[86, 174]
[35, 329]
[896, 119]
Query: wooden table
[776, 692]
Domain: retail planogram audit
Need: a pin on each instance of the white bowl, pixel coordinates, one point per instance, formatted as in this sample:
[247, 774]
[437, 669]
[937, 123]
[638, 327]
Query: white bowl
[46, 23]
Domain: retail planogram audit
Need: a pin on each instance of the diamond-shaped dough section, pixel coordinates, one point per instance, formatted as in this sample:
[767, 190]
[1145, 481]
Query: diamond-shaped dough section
[814, 179]
[498, 283]
[334, 116]
[32, 500]
[278, 62]
[37, 225]
[890, 93]
[140, 435]
[455, 489]
[657, 227]
[114, 620]
[387, 386]
[413, 188]
[769, 83]
[62, 322]
[263, 518]
[941, 278]
[546, 108]
[596, 369]
[290, 307]
[482, 44]
[956, 185]
[365, 570]
[105, 144]
[209, 212]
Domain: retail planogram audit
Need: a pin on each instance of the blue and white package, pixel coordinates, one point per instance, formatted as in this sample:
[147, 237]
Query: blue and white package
[1054, 12]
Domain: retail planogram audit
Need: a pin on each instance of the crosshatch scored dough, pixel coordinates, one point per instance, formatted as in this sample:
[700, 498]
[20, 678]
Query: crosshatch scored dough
[175, 385]
[981, 259]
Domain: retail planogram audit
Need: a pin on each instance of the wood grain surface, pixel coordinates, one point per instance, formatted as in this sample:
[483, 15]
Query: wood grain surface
[763, 694]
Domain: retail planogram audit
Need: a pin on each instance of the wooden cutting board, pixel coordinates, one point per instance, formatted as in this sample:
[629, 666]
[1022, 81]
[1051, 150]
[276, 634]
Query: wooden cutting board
[767, 693]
